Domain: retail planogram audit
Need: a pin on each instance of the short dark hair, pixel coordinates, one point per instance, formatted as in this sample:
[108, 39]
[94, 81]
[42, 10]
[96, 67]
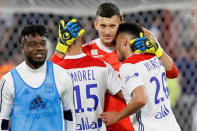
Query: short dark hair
[130, 28]
[108, 10]
[32, 30]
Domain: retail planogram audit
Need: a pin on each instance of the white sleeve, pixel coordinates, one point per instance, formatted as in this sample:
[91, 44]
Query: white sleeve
[6, 98]
[68, 102]
[113, 81]
[65, 89]
[130, 77]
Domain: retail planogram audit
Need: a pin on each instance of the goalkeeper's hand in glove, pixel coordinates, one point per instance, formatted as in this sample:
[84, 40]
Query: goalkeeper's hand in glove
[68, 33]
[144, 44]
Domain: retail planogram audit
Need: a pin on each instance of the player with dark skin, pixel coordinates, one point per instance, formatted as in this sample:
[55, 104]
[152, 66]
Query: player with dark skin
[35, 50]
[36, 87]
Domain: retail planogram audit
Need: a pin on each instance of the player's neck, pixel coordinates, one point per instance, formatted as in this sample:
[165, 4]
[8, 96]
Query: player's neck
[74, 50]
[107, 48]
[107, 44]
[128, 53]
[34, 65]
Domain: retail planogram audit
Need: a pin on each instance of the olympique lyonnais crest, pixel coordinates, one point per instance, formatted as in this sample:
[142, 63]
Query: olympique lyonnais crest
[94, 52]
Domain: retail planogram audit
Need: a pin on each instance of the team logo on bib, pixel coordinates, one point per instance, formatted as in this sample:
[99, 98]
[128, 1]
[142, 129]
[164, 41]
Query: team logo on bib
[37, 103]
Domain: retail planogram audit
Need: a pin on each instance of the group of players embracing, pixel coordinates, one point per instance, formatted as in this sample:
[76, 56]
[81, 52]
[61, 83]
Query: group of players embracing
[114, 83]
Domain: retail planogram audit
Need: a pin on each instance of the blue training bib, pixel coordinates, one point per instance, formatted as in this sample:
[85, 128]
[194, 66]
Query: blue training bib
[36, 109]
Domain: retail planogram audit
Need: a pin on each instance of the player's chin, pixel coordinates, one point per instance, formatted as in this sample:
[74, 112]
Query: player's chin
[108, 41]
[39, 60]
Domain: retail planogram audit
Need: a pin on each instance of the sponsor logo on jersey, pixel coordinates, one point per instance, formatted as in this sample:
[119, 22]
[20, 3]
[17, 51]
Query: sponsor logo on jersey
[87, 125]
[128, 77]
[97, 56]
[94, 52]
[37, 103]
[162, 113]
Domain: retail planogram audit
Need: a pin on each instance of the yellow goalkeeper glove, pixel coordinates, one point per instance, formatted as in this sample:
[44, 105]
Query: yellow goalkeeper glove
[144, 44]
[68, 33]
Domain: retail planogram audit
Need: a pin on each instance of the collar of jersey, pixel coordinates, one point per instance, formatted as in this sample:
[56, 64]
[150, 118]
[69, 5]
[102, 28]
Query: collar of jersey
[104, 48]
[75, 56]
[29, 69]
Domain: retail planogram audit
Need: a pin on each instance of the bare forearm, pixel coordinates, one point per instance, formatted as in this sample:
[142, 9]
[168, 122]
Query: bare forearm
[139, 99]
[166, 61]
[57, 57]
[131, 108]
[59, 54]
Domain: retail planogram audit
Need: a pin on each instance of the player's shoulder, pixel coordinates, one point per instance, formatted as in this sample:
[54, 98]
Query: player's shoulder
[58, 67]
[7, 76]
[62, 78]
[137, 58]
[60, 70]
[90, 44]
[7, 79]
[126, 67]
[91, 61]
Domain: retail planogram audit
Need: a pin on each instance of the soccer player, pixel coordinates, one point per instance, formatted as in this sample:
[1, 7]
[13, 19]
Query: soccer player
[144, 83]
[92, 79]
[108, 18]
[35, 92]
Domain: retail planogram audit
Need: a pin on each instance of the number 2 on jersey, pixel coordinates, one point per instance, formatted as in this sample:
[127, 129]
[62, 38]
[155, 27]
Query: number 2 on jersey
[165, 89]
[88, 95]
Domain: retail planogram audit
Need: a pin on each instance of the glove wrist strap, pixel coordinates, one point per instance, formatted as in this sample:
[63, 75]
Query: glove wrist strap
[159, 53]
[61, 48]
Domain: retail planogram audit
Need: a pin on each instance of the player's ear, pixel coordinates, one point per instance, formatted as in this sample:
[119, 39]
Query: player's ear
[121, 19]
[83, 39]
[22, 47]
[96, 24]
[125, 41]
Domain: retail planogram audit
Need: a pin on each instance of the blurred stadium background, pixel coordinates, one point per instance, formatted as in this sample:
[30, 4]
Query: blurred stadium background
[174, 23]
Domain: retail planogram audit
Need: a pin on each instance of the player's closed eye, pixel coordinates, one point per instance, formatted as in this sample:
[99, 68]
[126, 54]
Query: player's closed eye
[43, 43]
[102, 26]
[32, 44]
[112, 26]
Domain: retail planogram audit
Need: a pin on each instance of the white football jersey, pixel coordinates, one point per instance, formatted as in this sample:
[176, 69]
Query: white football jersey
[148, 71]
[92, 79]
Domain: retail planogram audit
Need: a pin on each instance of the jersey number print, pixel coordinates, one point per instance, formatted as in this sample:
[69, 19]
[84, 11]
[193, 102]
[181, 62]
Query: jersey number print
[89, 95]
[165, 89]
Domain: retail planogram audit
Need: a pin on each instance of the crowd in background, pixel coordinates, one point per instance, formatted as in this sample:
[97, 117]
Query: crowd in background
[175, 30]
